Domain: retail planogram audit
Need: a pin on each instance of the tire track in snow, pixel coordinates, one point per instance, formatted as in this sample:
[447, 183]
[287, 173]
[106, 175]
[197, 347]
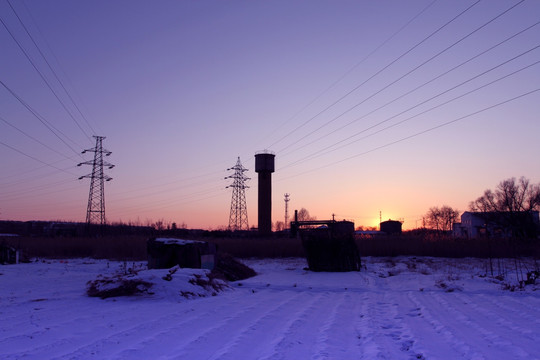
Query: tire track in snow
[533, 311]
[204, 340]
[339, 336]
[469, 323]
[269, 331]
[207, 345]
[461, 328]
[428, 331]
[111, 343]
[302, 334]
[43, 324]
[49, 332]
[57, 340]
[506, 324]
[173, 332]
[385, 334]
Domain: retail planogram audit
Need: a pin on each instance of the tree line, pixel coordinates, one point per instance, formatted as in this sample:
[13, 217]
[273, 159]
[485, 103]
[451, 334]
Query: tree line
[509, 204]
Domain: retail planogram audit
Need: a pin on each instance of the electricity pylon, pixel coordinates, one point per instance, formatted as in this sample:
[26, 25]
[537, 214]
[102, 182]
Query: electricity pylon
[238, 218]
[95, 212]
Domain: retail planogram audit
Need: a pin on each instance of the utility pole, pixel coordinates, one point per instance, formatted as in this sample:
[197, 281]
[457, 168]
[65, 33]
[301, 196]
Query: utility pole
[287, 199]
[238, 217]
[95, 211]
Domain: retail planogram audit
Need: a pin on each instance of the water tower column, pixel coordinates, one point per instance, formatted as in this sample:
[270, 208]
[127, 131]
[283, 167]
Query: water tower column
[264, 166]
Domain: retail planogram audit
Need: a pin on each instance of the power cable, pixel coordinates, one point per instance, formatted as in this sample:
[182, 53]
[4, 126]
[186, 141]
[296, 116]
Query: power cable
[416, 88]
[36, 159]
[177, 200]
[47, 124]
[415, 134]
[137, 195]
[54, 73]
[23, 193]
[44, 79]
[176, 182]
[12, 175]
[33, 179]
[406, 74]
[310, 157]
[34, 139]
[350, 70]
[377, 73]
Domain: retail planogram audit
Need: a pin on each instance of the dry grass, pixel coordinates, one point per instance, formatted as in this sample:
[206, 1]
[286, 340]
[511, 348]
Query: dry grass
[108, 247]
[133, 247]
[260, 247]
[444, 246]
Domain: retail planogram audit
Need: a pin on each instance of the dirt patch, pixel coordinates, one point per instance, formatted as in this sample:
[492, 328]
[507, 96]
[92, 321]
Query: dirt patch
[116, 286]
[230, 269]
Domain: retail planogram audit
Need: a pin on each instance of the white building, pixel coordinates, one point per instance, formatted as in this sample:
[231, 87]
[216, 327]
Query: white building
[476, 224]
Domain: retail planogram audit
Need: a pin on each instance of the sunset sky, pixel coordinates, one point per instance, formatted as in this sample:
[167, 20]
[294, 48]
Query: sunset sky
[371, 107]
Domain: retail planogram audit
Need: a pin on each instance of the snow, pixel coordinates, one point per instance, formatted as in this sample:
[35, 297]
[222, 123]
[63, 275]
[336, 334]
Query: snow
[396, 308]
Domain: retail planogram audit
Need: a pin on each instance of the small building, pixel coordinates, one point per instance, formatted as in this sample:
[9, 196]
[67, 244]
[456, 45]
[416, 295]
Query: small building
[391, 227]
[8, 255]
[164, 253]
[496, 224]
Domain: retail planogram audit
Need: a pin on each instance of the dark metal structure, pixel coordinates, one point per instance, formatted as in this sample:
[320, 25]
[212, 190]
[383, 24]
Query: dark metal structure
[238, 217]
[329, 245]
[95, 211]
[264, 166]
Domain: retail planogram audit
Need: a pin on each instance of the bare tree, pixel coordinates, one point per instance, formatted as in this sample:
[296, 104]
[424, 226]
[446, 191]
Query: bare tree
[441, 218]
[303, 215]
[510, 205]
[280, 226]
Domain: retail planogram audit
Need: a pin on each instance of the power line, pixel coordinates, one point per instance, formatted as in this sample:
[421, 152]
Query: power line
[322, 151]
[39, 189]
[34, 158]
[415, 89]
[34, 139]
[176, 182]
[54, 73]
[39, 71]
[416, 134]
[377, 73]
[176, 201]
[350, 70]
[47, 124]
[406, 74]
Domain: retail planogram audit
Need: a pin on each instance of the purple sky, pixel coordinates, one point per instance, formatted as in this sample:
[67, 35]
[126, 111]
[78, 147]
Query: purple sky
[180, 89]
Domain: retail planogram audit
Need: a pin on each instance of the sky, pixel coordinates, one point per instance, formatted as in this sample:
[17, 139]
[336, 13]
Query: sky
[374, 109]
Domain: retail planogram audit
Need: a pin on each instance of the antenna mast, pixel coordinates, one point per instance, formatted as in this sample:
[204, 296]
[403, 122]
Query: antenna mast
[287, 199]
[95, 212]
[238, 218]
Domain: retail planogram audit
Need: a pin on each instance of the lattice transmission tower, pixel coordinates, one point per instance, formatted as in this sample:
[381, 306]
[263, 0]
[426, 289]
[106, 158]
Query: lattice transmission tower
[238, 218]
[95, 212]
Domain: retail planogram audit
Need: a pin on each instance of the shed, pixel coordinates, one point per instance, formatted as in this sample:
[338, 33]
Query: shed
[164, 253]
[8, 255]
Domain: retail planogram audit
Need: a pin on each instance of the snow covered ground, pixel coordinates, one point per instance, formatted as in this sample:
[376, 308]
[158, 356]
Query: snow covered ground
[401, 308]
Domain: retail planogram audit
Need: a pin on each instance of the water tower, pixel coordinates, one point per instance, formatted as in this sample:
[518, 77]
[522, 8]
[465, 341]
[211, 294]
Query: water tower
[264, 166]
